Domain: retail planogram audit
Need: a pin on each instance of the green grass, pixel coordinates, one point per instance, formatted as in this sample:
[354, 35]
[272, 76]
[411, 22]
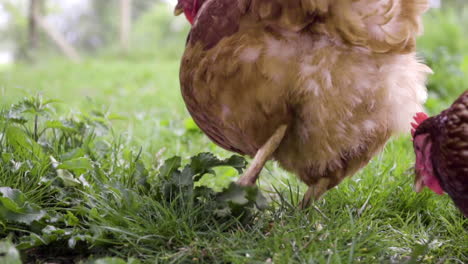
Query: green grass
[111, 193]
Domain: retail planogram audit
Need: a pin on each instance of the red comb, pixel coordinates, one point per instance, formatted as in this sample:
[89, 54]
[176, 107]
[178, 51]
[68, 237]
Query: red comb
[418, 118]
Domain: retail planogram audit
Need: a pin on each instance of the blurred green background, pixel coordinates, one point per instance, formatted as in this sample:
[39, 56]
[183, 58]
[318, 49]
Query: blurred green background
[118, 60]
[131, 71]
[125, 59]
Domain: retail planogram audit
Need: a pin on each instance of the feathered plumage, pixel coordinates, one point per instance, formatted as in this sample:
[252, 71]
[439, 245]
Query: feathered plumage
[441, 146]
[341, 75]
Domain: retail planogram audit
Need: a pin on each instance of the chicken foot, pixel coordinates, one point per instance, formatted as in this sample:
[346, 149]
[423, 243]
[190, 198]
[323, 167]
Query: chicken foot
[315, 191]
[261, 157]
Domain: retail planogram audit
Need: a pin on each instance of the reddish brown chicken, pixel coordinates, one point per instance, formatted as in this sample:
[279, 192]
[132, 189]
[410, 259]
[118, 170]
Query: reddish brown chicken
[441, 147]
[318, 85]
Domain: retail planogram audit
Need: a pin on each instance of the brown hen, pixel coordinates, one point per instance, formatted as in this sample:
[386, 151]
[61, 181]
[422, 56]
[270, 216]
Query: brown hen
[441, 147]
[318, 85]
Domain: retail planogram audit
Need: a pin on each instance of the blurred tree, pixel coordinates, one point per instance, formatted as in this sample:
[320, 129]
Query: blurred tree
[103, 14]
[105, 23]
[125, 24]
[158, 27]
[142, 6]
[88, 25]
[57, 38]
[33, 11]
[17, 27]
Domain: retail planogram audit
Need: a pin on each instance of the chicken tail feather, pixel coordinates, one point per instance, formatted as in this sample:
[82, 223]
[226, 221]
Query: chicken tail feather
[383, 26]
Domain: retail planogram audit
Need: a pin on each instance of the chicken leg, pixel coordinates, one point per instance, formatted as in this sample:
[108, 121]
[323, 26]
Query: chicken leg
[315, 191]
[261, 157]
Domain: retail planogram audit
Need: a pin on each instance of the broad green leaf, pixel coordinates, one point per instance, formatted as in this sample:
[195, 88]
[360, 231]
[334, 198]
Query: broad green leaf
[71, 219]
[184, 179]
[31, 241]
[12, 199]
[22, 143]
[59, 125]
[76, 164]
[29, 214]
[68, 178]
[169, 167]
[14, 116]
[8, 253]
[73, 154]
[237, 162]
[235, 194]
[15, 208]
[205, 162]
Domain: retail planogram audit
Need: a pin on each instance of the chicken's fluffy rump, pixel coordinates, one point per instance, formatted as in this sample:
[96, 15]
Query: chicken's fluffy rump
[339, 76]
[441, 148]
